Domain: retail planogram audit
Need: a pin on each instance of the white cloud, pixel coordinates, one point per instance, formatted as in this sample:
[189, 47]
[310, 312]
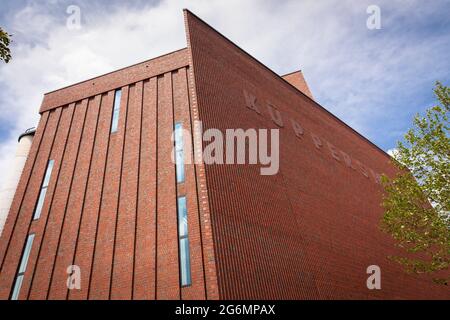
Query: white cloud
[392, 152]
[352, 71]
[61, 57]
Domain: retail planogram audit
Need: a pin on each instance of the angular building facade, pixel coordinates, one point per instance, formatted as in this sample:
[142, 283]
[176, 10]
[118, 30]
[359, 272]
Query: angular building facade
[101, 201]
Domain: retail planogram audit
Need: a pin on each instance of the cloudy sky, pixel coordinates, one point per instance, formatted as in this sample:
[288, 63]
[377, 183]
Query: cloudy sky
[374, 80]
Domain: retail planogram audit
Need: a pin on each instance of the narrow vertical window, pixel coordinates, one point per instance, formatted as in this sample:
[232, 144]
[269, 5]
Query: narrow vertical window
[22, 268]
[179, 152]
[116, 111]
[40, 202]
[185, 263]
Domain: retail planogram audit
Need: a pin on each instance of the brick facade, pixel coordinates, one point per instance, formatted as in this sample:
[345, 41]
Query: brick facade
[308, 232]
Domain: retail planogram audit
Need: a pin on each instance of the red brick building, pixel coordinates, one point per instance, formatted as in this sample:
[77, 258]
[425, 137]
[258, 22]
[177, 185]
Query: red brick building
[99, 191]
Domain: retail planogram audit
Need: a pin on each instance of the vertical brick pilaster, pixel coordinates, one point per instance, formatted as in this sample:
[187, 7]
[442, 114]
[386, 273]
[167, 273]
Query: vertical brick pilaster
[84, 253]
[38, 226]
[189, 189]
[167, 268]
[45, 261]
[212, 289]
[145, 252]
[102, 266]
[74, 210]
[123, 263]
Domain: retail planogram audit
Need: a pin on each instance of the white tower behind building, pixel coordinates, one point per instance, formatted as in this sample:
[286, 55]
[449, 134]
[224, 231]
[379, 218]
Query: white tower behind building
[12, 177]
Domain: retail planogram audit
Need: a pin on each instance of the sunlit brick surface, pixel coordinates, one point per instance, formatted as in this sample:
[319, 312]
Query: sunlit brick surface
[111, 204]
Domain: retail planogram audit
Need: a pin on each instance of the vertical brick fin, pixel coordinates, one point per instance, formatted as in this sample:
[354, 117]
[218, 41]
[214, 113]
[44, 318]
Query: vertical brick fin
[84, 253]
[38, 227]
[73, 215]
[18, 237]
[104, 247]
[22, 187]
[212, 289]
[144, 270]
[122, 281]
[168, 284]
[255, 227]
[48, 248]
[189, 189]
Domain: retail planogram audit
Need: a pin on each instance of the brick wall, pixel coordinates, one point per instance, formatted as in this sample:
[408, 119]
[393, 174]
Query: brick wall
[311, 230]
[111, 203]
[298, 80]
[308, 232]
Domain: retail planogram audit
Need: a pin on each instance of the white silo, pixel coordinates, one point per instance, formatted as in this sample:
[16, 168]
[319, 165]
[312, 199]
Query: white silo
[12, 178]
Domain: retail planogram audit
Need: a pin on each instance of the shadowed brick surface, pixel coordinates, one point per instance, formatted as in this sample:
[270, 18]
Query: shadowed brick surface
[310, 231]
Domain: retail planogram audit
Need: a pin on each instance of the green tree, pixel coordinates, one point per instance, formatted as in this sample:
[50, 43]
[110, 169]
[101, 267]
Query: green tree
[417, 199]
[5, 53]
